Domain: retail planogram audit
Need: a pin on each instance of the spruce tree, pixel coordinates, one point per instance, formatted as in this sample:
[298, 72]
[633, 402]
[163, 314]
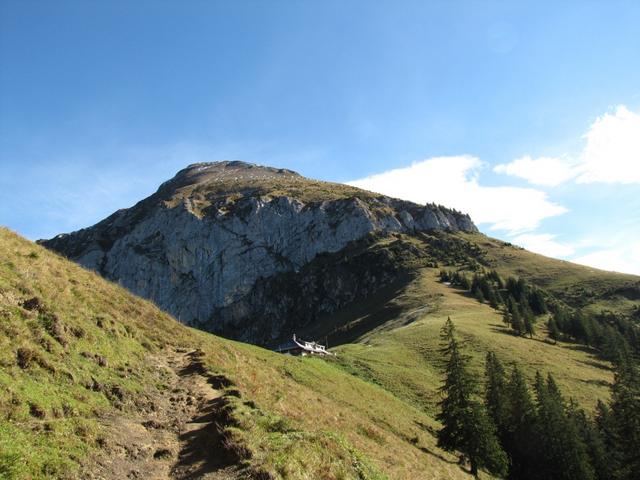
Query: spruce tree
[594, 441]
[457, 389]
[465, 425]
[529, 328]
[604, 423]
[520, 438]
[493, 297]
[561, 318]
[554, 331]
[625, 419]
[511, 305]
[537, 302]
[482, 445]
[521, 406]
[517, 324]
[564, 452]
[495, 391]
[579, 328]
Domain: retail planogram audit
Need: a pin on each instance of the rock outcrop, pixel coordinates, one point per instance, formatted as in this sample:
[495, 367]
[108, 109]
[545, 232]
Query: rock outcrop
[204, 243]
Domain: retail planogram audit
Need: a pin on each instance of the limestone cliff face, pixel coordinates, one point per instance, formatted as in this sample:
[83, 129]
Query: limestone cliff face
[201, 246]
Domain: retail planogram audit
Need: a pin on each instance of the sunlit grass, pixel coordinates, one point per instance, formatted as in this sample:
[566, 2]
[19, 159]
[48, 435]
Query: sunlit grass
[298, 417]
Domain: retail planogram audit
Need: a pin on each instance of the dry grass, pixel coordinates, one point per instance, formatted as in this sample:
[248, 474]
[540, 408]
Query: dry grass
[298, 417]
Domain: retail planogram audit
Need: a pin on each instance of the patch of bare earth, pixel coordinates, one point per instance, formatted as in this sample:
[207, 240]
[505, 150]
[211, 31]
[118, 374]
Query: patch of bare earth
[174, 434]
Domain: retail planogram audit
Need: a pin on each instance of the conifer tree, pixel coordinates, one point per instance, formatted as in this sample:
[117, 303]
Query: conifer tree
[506, 317]
[529, 328]
[493, 297]
[520, 438]
[613, 346]
[511, 304]
[579, 327]
[495, 391]
[625, 419]
[517, 324]
[465, 425]
[554, 331]
[457, 390]
[482, 445]
[604, 423]
[594, 441]
[520, 403]
[564, 451]
[562, 320]
[537, 302]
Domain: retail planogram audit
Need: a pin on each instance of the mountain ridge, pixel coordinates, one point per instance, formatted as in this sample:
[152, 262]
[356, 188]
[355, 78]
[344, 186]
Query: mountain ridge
[198, 246]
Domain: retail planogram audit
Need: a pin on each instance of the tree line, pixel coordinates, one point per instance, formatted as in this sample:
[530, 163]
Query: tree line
[532, 432]
[613, 335]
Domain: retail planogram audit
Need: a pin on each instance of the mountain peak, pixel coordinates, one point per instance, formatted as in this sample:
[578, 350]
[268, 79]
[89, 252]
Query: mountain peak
[227, 170]
[203, 246]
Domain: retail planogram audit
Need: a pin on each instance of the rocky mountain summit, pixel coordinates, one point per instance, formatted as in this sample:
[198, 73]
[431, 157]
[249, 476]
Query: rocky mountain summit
[215, 243]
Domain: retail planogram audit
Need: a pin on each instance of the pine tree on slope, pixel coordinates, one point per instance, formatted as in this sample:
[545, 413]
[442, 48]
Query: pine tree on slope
[625, 419]
[521, 440]
[564, 452]
[466, 427]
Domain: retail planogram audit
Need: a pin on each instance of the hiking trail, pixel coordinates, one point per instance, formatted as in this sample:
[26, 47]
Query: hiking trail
[175, 435]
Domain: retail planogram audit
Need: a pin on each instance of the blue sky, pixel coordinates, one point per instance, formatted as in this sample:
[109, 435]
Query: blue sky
[525, 114]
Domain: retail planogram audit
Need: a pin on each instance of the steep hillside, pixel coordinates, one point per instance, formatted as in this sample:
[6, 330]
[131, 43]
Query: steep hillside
[96, 382]
[205, 243]
[256, 253]
[404, 359]
[578, 285]
[392, 339]
[84, 361]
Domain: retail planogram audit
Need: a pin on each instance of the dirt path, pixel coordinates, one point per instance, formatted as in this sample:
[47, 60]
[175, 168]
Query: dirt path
[174, 435]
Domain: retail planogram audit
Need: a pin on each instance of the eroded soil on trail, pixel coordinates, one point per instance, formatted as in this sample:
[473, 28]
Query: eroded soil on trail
[174, 434]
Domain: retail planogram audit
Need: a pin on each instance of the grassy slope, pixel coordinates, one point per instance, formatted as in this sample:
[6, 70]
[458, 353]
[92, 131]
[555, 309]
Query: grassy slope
[299, 418]
[406, 361]
[399, 352]
[577, 284]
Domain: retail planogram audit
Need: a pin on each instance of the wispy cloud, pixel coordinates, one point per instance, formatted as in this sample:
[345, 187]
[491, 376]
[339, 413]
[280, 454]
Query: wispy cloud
[611, 154]
[545, 244]
[546, 171]
[454, 181]
[623, 257]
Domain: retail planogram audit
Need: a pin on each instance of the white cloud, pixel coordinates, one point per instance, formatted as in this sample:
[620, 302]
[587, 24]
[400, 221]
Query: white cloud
[544, 244]
[611, 155]
[625, 258]
[453, 182]
[612, 152]
[547, 171]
